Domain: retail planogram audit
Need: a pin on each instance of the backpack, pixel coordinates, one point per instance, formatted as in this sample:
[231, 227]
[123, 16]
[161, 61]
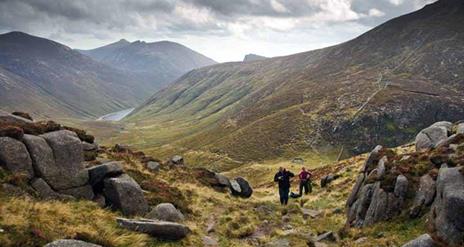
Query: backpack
[294, 195]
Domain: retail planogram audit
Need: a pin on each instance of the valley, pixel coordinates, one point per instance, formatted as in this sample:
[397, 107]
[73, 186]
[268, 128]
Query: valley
[116, 116]
[151, 143]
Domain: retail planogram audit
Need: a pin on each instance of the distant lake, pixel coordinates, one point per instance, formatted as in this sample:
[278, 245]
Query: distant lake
[116, 116]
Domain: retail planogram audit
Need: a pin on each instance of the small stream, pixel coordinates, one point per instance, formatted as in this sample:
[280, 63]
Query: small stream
[116, 116]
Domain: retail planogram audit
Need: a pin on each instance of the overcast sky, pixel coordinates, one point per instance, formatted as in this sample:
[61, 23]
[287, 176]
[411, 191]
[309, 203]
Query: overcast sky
[224, 30]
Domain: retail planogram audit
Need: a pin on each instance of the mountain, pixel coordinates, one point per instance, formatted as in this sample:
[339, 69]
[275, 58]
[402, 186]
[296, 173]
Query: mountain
[379, 88]
[253, 57]
[158, 63]
[47, 78]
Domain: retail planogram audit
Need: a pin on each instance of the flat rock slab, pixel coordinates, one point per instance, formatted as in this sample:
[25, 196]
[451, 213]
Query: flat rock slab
[70, 243]
[309, 212]
[155, 228]
[98, 173]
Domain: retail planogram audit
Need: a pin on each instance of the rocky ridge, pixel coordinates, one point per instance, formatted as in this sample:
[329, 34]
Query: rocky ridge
[428, 181]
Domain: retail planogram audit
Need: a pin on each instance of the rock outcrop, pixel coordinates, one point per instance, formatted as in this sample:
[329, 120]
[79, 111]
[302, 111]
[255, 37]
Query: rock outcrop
[51, 158]
[431, 180]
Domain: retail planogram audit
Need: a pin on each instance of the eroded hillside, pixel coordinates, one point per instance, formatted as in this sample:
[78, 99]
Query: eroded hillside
[382, 87]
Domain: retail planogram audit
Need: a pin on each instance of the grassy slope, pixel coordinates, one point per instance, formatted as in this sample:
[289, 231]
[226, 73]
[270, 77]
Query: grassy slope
[238, 222]
[309, 101]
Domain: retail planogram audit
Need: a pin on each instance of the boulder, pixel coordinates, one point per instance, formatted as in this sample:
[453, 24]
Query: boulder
[121, 148]
[422, 241]
[240, 187]
[13, 120]
[46, 192]
[67, 151]
[298, 160]
[42, 159]
[357, 212]
[381, 167]
[222, 180]
[81, 192]
[401, 186]
[15, 157]
[89, 146]
[90, 151]
[166, 212]
[355, 191]
[176, 160]
[447, 217]
[384, 205]
[328, 179]
[156, 228]
[123, 193]
[235, 187]
[424, 196]
[447, 125]
[430, 137]
[377, 208]
[310, 213]
[209, 242]
[153, 166]
[98, 173]
[70, 243]
[327, 236]
[372, 159]
[460, 128]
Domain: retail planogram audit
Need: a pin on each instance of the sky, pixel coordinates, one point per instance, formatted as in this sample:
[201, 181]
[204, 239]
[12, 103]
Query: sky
[224, 30]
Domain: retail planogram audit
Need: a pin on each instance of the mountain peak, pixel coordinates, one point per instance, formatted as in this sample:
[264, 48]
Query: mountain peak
[123, 41]
[253, 57]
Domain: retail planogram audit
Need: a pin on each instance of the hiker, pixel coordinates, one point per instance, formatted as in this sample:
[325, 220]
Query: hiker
[305, 181]
[283, 178]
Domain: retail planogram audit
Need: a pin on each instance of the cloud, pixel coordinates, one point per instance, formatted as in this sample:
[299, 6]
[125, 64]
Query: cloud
[90, 23]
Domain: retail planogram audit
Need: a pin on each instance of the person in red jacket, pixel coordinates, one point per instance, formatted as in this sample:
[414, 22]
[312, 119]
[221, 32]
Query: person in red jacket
[305, 181]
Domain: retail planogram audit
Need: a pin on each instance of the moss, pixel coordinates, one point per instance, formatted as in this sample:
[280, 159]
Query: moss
[11, 131]
[23, 115]
[82, 134]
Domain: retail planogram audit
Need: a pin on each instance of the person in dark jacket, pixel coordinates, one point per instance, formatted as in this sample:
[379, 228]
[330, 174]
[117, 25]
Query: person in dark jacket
[283, 178]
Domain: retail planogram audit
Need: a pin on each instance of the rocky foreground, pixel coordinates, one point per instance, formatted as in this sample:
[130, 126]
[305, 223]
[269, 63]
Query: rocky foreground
[53, 162]
[57, 182]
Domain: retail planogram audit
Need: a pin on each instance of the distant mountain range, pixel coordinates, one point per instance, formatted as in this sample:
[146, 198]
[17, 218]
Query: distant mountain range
[49, 79]
[380, 88]
[157, 62]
